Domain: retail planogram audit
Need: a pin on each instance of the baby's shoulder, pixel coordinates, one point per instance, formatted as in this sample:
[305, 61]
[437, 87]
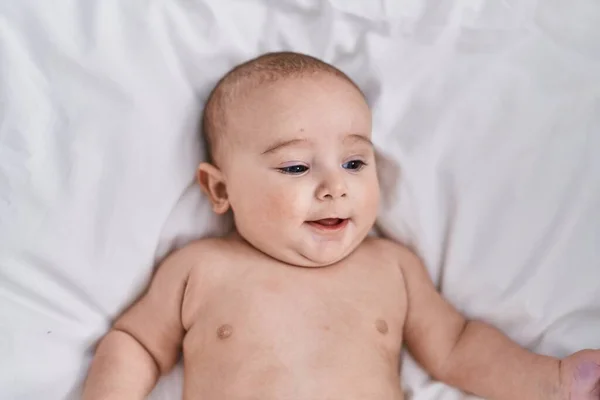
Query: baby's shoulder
[207, 251]
[383, 246]
[388, 250]
[177, 266]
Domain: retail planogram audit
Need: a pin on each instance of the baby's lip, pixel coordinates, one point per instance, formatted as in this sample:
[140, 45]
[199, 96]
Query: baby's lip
[325, 219]
[329, 224]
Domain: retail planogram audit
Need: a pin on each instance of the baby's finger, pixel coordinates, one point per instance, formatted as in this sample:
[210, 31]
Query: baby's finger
[586, 379]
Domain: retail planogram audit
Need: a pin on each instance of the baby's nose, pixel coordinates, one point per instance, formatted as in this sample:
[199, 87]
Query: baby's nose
[331, 189]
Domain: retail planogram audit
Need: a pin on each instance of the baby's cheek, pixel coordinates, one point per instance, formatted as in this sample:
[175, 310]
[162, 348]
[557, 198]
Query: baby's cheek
[284, 205]
[369, 197]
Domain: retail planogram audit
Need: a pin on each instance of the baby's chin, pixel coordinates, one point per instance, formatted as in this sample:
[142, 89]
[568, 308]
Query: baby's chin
[310, 253]
[323, 260]
[318, 257]
[307, 258]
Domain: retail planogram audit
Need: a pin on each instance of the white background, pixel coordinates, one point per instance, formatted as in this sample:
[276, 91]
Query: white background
[487, 114]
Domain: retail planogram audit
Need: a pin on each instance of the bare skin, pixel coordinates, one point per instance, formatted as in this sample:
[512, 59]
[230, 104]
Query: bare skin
[299, 304]
[289, 330]
[251, 327]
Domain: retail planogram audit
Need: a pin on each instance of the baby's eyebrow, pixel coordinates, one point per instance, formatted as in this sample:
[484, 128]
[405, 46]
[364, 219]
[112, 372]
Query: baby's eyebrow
[284, 143]
[357, 137]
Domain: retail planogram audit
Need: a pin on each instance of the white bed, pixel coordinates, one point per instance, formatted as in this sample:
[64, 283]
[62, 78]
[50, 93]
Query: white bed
[487, 114]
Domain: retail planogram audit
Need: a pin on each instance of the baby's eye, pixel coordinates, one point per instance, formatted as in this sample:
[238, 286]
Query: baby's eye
[293, 169]
[354, 165]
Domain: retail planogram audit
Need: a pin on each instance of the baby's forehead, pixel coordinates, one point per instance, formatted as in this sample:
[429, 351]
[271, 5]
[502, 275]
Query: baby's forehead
[275, 98]
[256, 87]
[254, 100]
[296, 108]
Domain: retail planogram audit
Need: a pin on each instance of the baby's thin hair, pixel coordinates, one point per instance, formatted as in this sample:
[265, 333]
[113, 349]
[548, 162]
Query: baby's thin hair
[267, 68]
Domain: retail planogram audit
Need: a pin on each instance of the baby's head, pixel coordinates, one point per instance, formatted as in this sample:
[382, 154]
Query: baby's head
[289, 141]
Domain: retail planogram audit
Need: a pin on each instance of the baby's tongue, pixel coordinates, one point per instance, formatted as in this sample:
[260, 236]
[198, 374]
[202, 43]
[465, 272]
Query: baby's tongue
[328, 221]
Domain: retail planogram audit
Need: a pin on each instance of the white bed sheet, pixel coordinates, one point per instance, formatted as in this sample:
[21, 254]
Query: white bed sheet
[487, 115]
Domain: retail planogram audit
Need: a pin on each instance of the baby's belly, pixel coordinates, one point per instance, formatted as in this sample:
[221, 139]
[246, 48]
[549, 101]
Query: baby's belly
[279, 333]
[297, 366]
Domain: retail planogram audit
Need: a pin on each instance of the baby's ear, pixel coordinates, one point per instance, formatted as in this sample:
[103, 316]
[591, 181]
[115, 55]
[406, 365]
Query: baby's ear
[212, 183]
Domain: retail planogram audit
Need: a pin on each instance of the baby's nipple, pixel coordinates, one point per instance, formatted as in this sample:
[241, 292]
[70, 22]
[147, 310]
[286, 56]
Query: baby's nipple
[224, 331]
[381, 326]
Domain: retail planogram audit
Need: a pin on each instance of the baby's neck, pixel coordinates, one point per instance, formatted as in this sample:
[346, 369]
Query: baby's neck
[235, 235]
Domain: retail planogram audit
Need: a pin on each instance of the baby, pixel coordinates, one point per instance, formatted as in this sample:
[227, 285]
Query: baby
[298, 303]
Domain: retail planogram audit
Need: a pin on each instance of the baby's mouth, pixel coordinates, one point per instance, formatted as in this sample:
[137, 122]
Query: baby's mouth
[329, 224]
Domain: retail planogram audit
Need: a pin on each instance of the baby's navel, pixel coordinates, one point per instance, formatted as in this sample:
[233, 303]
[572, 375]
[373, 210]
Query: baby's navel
[224, 331]
[381, 326]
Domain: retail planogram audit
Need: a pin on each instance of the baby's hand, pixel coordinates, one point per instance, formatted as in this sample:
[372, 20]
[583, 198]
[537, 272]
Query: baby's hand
[580, 375]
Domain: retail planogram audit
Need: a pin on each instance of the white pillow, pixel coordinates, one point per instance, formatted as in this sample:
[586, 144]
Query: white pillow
[486, 114]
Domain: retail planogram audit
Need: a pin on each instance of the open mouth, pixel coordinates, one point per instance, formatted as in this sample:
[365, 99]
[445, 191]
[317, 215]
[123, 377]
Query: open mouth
[329, 224]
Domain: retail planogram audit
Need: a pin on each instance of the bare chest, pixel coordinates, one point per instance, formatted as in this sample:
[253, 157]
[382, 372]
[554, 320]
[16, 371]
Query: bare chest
[269, 306]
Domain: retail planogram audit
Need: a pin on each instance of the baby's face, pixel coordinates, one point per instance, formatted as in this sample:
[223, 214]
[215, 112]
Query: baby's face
[299, 169]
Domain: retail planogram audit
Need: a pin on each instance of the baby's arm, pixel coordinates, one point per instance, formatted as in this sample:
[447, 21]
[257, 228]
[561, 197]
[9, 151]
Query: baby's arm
[145, 341]
[470, 355]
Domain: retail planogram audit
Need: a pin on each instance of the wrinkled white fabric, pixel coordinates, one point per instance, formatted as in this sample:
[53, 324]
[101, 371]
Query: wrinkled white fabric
[487, 116]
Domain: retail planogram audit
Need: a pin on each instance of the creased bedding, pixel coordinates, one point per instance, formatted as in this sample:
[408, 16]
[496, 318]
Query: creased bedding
[486, 115]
